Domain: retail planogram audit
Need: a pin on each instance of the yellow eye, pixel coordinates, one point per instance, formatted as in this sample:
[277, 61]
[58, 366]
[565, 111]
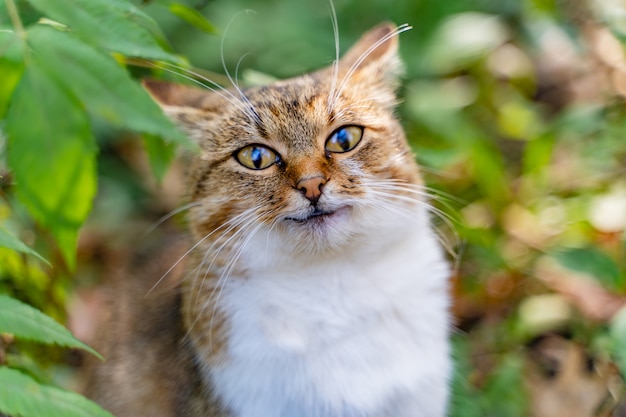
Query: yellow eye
[344, 139]
[256, 157]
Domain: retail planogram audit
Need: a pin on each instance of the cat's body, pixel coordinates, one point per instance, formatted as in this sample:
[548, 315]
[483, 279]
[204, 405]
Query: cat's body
[316, 287]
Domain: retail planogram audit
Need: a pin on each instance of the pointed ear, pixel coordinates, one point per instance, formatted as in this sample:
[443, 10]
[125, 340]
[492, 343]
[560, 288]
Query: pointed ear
[188, 107]
[375, 55]
[168, 94]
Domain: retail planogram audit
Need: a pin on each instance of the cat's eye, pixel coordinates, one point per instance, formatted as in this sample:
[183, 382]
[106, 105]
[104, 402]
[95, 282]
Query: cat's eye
[256, 157]
[344, 139]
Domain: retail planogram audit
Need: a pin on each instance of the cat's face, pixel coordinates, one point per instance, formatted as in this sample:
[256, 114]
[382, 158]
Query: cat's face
[317, 162]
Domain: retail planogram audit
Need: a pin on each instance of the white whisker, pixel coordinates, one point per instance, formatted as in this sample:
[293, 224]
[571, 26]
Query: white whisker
[200, 80]
[251, 111]
[397, 190]
[333, 18]
[180, 259]
[216, 293]
[241, 221]
[168, 216]
[201, 265]
[171, 268]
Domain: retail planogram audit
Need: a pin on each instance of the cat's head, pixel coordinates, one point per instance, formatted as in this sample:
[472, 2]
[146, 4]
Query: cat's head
[317, 162]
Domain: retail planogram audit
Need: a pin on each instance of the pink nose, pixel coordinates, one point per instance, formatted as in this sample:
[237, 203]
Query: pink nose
[312, 188]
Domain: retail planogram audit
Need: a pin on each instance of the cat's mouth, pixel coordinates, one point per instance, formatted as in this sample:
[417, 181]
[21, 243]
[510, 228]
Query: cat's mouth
[317, 215]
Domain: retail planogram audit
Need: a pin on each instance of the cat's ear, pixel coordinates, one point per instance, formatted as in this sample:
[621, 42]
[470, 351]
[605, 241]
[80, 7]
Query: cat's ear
[186, 106]
[374, 57]
[169, 94]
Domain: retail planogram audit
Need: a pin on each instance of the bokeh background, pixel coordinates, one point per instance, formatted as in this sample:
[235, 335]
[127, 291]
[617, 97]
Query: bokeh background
[515, 110]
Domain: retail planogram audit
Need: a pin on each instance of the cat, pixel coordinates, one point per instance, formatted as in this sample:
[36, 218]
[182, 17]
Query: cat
[315, 285]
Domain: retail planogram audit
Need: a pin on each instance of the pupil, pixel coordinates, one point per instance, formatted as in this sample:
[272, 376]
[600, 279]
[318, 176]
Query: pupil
[343, 139]
[257, 157]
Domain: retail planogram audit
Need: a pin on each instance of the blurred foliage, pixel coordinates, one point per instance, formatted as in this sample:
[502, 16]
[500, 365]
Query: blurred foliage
[515, 110]
[58, 73]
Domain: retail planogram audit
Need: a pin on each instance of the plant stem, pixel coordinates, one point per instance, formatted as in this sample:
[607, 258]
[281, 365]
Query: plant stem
[15, 19]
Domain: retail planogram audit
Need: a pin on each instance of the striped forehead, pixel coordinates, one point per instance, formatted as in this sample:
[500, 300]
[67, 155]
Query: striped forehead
[293, 112]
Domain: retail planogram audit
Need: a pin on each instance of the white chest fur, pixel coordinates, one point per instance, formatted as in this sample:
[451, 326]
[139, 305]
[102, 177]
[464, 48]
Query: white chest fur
[363, 336]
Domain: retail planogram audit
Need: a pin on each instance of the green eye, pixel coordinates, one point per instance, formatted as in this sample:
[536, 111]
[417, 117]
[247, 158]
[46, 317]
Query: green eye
[256, 157]
[344, 139]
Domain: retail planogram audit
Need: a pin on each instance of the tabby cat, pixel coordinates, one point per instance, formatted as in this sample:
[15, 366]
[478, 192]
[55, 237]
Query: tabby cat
[314, 285]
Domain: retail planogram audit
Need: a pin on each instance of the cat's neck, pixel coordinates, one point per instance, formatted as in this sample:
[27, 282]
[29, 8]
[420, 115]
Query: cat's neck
[306, 318]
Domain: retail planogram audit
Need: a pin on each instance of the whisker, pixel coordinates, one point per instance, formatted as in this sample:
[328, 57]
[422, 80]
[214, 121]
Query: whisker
[168, 216]
[171, 268]
[201, 80]
[207, 269]
[333, 18]
[389, 189]
[216, 293]
[239, 61]
[181, 258]
[439, 235]
[434, 193]
[242, 221]
[251, 112]
[383, 191]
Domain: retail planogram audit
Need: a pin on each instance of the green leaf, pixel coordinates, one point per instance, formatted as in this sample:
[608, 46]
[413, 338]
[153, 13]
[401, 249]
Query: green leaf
[9, 241]
[11, 74]
[26, 322]
[27, 365]
[100, 84]
[22, 396]
[116, 25]
[160, 154]
[11, 67]
[193, 17]
[52, 155]
[593, 262]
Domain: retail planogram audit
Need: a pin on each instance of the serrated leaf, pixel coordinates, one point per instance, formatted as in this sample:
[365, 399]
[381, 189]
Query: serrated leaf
[111, 24]
[52, 155]
[22, 396]
[193, 17]
[9, 241]
[100, 84]
[26, 322]
[594, 263]
[160, 154]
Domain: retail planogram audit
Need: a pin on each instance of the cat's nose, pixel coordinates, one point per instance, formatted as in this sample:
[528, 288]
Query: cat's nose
[312, 188]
